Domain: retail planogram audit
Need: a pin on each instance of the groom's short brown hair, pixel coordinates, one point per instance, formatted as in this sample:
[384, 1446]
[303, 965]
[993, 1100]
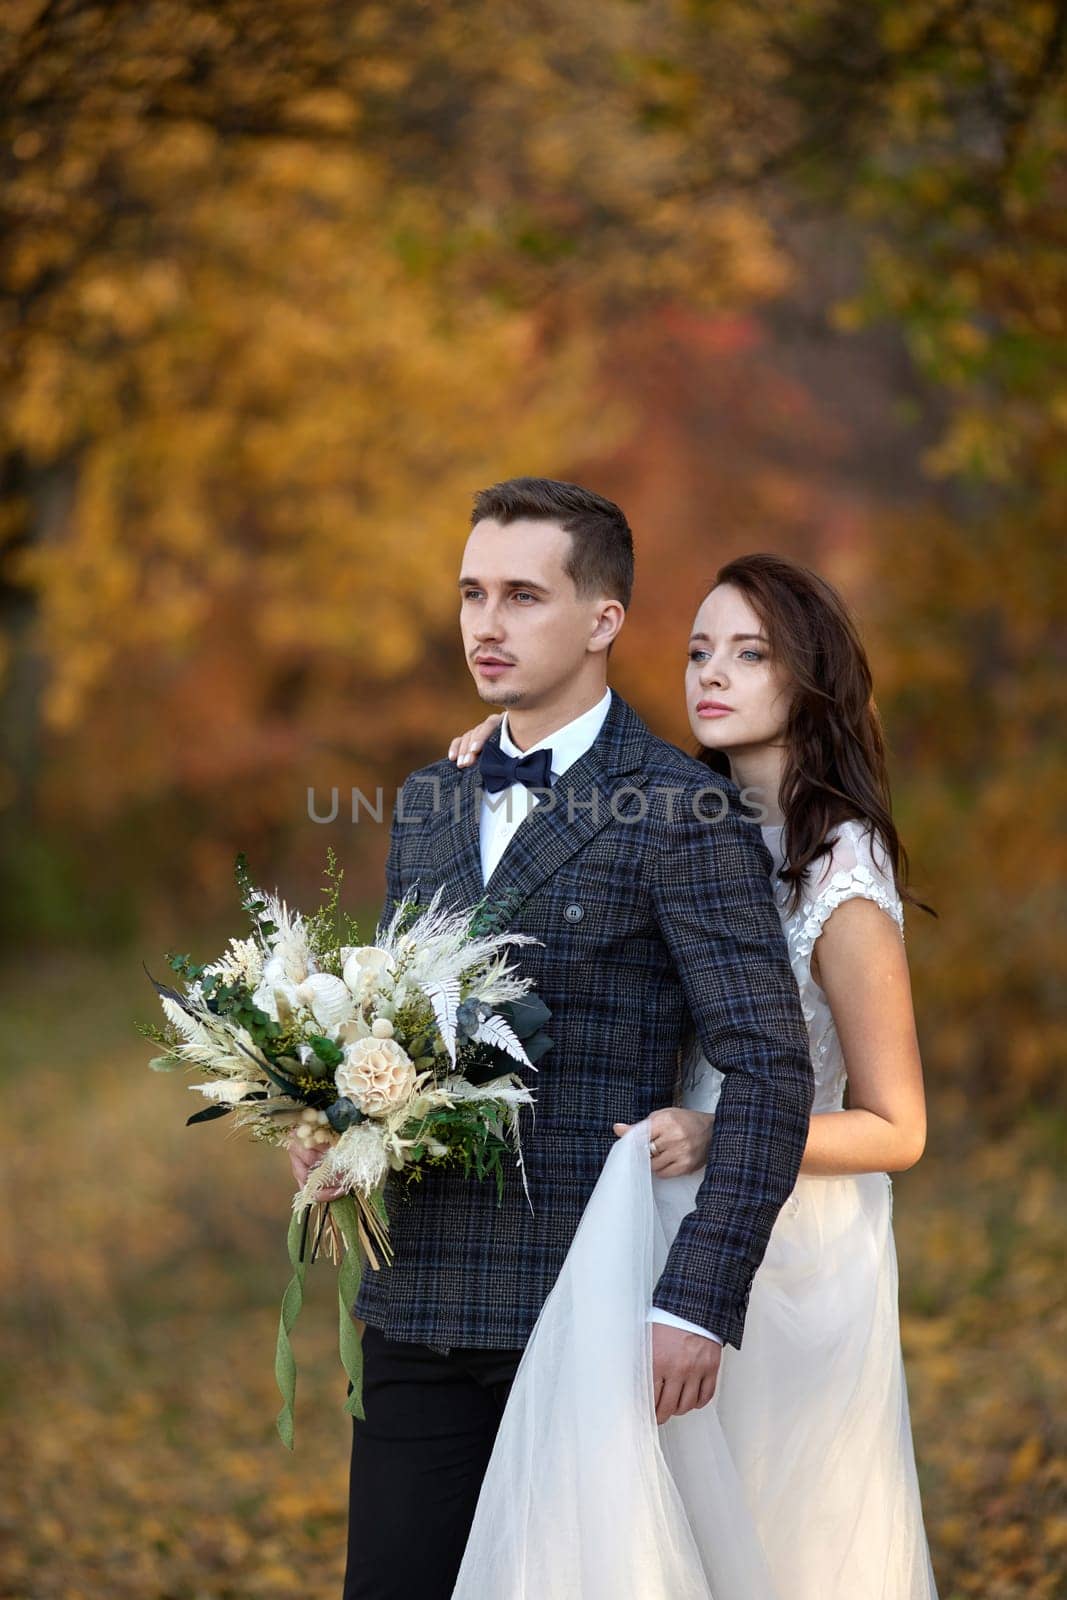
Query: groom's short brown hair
[602, 547]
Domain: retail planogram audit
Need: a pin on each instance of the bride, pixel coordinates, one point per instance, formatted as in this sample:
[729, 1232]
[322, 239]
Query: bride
[798, 1482]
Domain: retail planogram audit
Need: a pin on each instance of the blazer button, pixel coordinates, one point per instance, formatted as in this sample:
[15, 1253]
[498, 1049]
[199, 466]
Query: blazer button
[574, 913]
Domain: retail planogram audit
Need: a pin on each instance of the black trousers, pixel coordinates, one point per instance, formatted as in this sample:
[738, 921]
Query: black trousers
[418, 1462]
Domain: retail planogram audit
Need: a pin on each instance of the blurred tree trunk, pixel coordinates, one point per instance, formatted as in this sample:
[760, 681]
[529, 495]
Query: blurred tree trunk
[41, 498]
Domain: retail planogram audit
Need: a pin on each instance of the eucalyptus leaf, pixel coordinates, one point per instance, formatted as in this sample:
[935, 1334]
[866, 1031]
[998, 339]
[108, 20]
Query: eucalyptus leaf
[209, 1114]
[170, 994]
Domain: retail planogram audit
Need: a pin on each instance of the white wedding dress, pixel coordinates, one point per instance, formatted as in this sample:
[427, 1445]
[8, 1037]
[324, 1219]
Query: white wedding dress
[798, 1482]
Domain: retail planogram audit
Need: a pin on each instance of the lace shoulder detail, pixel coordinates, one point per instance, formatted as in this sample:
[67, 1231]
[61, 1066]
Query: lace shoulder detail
[853, 870]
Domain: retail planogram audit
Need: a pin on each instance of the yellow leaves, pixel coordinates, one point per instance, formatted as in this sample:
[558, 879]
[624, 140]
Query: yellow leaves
[33, 253]
[922, 1335]
[848, 316]
[384, 75]
[1025, 1462]
[1054, 1533]
[26, 146]
[180, 150]
[750, 263]
[239, 1466]
[964, 1474]
[37, 411]
[952, 1533]
[341, 391]
[931, 188]
[901, 26]
[289, 170]
[308, 1500]
[332, 110]
[132, 300]
[965, 338]
[1009, 1540]
[551, 152]
[974, 445]
[275, 1575]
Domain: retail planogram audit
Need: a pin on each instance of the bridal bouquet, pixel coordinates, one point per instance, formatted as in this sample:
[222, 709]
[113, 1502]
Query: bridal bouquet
[390, 1057]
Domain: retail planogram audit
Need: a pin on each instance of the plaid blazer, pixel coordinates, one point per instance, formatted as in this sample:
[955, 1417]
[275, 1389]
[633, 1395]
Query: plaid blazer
[648, 914]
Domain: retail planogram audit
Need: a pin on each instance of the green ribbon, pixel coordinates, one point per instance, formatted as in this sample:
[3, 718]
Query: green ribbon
[292, 1301]
[349, 1277]
[348, 1280]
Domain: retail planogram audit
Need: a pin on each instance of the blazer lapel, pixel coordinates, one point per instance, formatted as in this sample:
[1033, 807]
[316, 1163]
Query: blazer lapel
[455, 853]
[551, 834]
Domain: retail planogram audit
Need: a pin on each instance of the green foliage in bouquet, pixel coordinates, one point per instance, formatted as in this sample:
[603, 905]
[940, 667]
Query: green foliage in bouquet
[474, 1139]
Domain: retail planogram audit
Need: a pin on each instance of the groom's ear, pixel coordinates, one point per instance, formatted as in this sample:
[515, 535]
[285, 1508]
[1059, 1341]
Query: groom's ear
[610, 616]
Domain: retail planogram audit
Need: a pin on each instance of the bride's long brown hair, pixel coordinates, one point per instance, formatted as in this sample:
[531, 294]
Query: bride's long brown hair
[835, 768]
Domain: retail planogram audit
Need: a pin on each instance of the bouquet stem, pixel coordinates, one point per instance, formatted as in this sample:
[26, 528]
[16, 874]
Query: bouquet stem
[373, 1230]
[354, 1223]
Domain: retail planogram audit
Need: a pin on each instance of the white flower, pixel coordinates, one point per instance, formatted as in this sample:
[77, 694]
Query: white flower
[349, 1032]
[240, 962]
[276, 993]
[365, 968]
[289, 943]
[378, 1074]
[328, 999]
[277, 1000]
[225, 1091]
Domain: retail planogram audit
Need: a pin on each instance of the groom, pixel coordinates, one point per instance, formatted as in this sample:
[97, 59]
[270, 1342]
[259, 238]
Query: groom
[651, 898]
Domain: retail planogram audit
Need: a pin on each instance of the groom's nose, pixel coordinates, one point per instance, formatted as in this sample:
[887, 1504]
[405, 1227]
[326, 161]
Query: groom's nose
[488, 627]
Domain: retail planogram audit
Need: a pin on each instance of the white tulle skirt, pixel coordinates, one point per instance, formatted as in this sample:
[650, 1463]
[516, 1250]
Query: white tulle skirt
[797, 1483]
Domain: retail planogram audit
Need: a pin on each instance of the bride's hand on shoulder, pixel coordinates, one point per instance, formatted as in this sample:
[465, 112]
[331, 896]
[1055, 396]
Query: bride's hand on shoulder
[678, 1140]
[465, 749]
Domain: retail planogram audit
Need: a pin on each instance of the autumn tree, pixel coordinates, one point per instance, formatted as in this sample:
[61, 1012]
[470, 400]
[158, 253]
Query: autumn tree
[281, 285]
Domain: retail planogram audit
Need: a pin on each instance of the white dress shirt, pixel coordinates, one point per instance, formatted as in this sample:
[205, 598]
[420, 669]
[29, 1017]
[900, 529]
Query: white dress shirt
[503, 812]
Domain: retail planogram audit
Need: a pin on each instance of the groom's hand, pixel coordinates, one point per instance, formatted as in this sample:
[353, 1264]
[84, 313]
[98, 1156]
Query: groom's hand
[685, 1369]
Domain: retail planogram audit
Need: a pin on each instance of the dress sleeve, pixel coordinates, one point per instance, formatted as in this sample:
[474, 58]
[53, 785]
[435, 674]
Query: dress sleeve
[857, 868]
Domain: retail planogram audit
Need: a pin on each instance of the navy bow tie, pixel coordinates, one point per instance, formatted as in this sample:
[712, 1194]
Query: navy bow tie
[500, 771]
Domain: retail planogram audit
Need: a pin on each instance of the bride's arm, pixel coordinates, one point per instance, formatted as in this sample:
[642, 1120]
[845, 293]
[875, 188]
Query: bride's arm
[860, 964]
[463, 749]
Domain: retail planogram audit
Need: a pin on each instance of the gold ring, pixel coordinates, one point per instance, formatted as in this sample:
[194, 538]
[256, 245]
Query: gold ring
[653, 1147]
